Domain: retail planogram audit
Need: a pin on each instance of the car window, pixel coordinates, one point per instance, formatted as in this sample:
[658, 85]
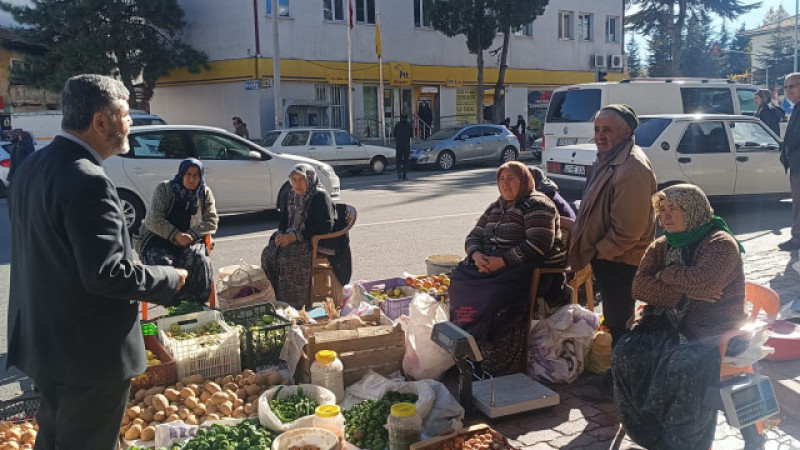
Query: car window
[752, 137]
[492, 131]
[344, 138]
[211, 146]
[295, 138]
[165, 144]
[269, 139]
[649, 130]
[139, 121]
[707, 100]
[746, 102]
[704, 137]
[577, 105]
[471, 133]
[321, 138]
[444, 133]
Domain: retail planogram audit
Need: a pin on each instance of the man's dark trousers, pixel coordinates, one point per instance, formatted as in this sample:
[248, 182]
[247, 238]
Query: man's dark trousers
[614, 281]
[402, 163]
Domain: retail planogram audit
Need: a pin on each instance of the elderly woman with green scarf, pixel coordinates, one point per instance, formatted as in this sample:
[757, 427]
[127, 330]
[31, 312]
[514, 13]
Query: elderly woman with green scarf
[692, 282]
[307, 211]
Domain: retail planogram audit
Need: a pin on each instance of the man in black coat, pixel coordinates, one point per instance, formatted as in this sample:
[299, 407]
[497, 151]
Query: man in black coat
[790, 158]
[426, 116]
[402, 139]
[73, 312]
[21, 148]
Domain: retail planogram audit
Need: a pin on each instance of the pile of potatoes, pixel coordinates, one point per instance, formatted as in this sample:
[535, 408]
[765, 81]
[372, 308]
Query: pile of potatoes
[18, 436]
[196, 400]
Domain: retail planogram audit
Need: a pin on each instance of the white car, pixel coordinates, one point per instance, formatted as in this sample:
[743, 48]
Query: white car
[728, 156]
[243, 176]
[5, 164]
[335, 147]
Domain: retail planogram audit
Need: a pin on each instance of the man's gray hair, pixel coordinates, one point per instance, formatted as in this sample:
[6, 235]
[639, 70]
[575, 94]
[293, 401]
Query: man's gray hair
[792, 75]
[85, 95]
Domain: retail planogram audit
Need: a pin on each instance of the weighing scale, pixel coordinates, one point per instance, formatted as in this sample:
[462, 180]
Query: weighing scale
[493, 396]
[748, 399]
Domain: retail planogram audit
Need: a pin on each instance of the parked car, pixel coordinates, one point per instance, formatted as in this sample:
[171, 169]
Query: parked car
[335, 147]
[243, 176]
[45, 125]
[5, 165]
[535, 147]
[470, 143]
[728, 156]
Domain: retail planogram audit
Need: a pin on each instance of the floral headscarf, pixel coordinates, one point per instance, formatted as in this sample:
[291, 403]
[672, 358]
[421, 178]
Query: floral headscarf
[297, 205]
[186, 200]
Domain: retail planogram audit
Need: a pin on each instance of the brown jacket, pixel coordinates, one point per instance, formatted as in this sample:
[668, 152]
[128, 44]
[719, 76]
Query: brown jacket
[616, 220]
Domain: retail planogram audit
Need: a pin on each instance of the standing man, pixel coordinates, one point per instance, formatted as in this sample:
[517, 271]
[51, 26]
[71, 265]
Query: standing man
[73, 316]
[426, 116]
[402, 139]
[616, 221]
[21, 148]
[240, 128]
[790, 157]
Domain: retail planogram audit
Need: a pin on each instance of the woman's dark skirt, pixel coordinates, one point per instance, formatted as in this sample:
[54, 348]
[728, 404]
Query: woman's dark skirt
[194, 258]
[289, 270]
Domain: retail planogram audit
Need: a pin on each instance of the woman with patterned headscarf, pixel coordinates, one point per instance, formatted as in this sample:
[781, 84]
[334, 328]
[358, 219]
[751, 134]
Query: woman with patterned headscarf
[692, 282]
[180, 216]
[307, 211]
[489, 290]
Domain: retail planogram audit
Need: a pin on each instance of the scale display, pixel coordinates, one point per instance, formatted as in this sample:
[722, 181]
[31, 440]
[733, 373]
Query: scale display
[749, 401]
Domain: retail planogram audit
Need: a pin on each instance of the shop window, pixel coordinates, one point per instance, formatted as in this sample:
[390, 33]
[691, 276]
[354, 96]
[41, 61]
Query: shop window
[565, 25]
[585, 28]
[283, 8]
[365, 11]
[422, 13]
[611, 28]
[526, 30]
[18, 68]
[333, 9]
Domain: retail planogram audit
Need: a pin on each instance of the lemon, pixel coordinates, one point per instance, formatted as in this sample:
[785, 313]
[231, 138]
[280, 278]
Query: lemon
[153, 362]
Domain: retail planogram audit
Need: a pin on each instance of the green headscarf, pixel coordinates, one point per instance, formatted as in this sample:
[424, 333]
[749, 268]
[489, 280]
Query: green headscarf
[700, 218]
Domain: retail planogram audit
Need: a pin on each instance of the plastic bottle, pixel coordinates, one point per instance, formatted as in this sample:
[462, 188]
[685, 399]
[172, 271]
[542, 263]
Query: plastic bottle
[405, 426]
[327, 371]
[330, 418]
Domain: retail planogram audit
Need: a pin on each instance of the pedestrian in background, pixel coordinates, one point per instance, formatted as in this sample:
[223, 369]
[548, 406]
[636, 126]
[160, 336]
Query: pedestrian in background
[425, 115]
[402, 139]
[240, 128]
[767, 111]
[519, 130]
[73, 313]
[21, 148]
[790, 158]
[506, 122]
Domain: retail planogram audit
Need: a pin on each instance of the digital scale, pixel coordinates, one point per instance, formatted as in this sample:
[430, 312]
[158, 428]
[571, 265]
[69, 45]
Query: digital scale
[493, 396]
[748, 399]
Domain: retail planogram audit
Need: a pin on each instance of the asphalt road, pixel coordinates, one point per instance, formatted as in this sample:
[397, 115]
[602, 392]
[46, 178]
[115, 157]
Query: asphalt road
[399, 224]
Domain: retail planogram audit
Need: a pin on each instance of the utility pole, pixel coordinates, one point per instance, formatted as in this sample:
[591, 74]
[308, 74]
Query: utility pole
[796, 8]
[276, 67]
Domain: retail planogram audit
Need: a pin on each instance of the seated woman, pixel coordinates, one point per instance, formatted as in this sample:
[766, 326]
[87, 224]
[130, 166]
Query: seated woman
[181, 214]
[549, 188]
[692, 282]
[489, 295]
[306, 212]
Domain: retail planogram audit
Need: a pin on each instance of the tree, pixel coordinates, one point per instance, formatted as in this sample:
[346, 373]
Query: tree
[774, 15]
[697, 49]
[127, 39]
[635, 69]
[473, 19]
[659, 64]
[778, 60]
[511, 16]
[671, 16]
[738, 60]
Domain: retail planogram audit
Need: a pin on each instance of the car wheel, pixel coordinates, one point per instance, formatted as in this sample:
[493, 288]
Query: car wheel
[446, 160]
[282, 194]
[132, 209]
[377, 165]
[509, 154]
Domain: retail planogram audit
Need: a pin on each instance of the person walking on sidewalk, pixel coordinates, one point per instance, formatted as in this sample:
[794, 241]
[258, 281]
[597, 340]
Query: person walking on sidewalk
[790, 158]
[240, 128]
[616, 221]
[73, 316]
[402, 139]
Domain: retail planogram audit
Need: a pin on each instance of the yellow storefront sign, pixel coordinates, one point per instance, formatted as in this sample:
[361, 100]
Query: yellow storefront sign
[336, 77]
[465, 105]
[400, 74]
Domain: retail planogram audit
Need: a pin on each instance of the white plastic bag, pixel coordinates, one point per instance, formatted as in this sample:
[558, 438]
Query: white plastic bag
[424, 359]
[270, 420]
[560, 344]
[755, 351]
[178, 431]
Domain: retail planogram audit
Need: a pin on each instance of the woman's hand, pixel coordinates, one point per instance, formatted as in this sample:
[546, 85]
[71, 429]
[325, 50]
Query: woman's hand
[481, 261]
[183, 239]
[492, 264]
[282, 240]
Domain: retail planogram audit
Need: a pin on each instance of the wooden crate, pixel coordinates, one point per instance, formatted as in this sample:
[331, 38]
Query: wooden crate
[447, 440]
[376, 347]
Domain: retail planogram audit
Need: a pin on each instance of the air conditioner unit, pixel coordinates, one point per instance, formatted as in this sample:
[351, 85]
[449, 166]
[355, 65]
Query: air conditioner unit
[598, 61]
[616, 61]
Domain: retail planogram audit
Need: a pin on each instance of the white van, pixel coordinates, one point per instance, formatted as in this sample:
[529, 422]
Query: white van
[45, 125]
[570, 115]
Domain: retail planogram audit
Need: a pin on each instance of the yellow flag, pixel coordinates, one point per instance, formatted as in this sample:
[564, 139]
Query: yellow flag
[378, 48]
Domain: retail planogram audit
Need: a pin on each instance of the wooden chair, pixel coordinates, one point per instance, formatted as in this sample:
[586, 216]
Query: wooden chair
[324, 283]
[212, 299]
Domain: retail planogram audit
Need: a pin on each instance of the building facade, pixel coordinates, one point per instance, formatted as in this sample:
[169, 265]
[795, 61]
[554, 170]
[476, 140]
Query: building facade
[570, 43]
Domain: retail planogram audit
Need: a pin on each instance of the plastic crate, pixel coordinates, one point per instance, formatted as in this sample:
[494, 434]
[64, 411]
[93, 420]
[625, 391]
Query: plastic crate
[158, 375]
[260, 345]
[20, 409]
[212, 355]
[392, 307]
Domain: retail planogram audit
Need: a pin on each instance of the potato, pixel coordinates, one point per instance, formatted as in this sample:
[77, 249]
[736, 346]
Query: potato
[126, 419]
[159, 416]
[205, 396]
[240, 380]
[134, 432]
[172, 394]
[231, 394]
[171, 409]
[147, 414]
[252, 398]
[231, 387]
[140, 395]
[196, 388]
[184, 412]
[252, 389]
[228, 379]
[200, 410]
[138, 421]
[123, 429]
[172, 418]
[148, 433]
[191, 420]
[148, 400]
[212, 387]
[219, 380]
[160, 402]
[237, 403]
[212, 416]
[193, 379]
[134, 411]
[241, 393]
[179, 385]
[247, 372]
[212, 409]
[286, 381]
[191, 402]
[226, 408]
[239, 413]
[274, 378]
[248, 408]
[186, 393]
[218, 398]
[28, 436]
[155, 390]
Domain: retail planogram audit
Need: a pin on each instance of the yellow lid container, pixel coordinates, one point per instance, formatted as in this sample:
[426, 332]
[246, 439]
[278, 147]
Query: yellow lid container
[325, 356]
[327, 410]
[403, 410]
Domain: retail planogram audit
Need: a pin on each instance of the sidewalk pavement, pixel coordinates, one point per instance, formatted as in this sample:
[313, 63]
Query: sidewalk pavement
[578, 424]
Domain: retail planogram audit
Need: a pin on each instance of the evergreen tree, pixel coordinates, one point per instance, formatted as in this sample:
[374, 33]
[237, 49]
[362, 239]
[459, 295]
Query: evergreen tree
[659, 64]
[774, 15]
[127, 39]
[720, 51]
[777, 60]
[635, 69]
[697, 47]
[738, 60]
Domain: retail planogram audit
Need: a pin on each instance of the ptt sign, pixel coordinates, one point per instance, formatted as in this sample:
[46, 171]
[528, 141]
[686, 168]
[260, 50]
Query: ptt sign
[400, 74]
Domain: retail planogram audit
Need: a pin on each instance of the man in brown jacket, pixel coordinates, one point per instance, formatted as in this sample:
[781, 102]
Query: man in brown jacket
[616, 222]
